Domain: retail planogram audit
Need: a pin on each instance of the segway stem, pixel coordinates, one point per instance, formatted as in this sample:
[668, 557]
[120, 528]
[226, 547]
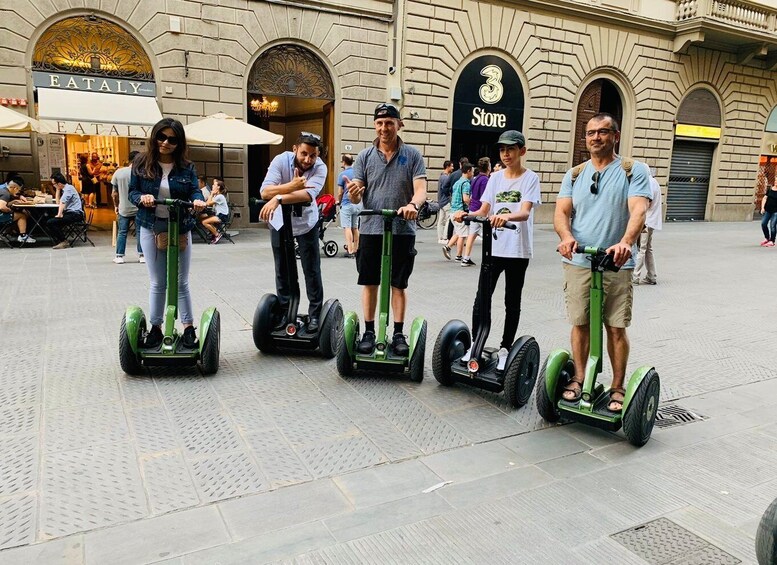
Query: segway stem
[289, 264]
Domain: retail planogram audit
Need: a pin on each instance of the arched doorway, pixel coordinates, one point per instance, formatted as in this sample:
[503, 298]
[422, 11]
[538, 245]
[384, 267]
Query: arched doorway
[696, 136]
[600, 96]
[289, 90]
[95, 89]
[767, 169]
[488, 99]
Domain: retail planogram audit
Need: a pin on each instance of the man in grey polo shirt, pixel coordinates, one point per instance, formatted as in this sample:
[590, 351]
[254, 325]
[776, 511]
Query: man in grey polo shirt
[388, 175]
[296, 177]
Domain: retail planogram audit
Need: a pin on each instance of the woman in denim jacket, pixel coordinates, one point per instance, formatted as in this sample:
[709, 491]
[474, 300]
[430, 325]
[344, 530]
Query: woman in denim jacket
[163, 171]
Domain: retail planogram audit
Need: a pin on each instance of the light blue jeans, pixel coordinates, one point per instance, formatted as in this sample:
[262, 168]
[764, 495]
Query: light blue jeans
[121, 239]
[156, 262]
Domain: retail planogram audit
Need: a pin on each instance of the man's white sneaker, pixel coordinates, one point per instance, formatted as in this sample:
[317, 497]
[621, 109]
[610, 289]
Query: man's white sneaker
[141, 259]
[25, 239]
[502, 355]
[118, 260]
[467, 355]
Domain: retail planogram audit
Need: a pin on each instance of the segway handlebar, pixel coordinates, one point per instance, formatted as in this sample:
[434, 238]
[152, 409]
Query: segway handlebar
[384, 213]
[173, 202]
[587, 250]
[600, 259]
[484, 220]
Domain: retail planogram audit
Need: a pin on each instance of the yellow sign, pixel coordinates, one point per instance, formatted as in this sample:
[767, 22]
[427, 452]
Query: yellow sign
[705, 132]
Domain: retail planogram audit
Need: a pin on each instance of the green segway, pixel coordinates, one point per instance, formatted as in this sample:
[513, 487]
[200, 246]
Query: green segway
[172, 352]
[640, 402]
[382, 359]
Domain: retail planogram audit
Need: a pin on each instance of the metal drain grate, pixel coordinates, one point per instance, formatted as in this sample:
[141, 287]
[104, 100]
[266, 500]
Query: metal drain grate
[670, 415]
[662, 542]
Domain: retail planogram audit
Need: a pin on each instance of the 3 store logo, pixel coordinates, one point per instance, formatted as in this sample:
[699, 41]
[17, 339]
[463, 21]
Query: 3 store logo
[492, 91]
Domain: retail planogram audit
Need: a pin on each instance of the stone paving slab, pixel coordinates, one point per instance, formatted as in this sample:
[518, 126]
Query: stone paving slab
[84, 448]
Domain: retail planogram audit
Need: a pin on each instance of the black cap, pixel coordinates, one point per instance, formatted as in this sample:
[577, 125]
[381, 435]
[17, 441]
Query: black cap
[512, 137]
[386, 110]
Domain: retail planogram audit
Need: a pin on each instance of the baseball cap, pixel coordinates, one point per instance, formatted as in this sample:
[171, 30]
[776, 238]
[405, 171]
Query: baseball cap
[512, 137]
[386, 110]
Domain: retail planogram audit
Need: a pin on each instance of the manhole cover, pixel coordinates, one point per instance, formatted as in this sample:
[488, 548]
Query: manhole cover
[673, 415]
[662, 542]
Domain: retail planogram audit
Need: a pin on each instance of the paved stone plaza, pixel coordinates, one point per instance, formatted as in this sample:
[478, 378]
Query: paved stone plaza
[279, 459]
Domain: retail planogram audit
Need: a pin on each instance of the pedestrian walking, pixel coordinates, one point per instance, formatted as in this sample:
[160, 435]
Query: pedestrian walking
[459, 201]
[653, 223]
[125, 210]
[444, 187]
[349, 212]
[769, 219]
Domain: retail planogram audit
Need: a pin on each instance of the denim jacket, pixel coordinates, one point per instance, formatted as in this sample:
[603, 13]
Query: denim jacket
[183, 186]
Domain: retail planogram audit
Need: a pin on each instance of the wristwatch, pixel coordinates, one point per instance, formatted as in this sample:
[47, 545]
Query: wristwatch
[279, 198]
[414, 205]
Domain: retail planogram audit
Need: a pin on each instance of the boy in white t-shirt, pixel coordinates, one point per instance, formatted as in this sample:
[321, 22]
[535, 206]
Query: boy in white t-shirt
[217, 199]
[511, 195]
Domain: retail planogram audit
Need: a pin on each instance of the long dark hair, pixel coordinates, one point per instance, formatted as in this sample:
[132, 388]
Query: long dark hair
[147, 164]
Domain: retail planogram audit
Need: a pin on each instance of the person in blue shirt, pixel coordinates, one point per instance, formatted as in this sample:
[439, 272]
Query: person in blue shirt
[70, 210]
[601, 207]
[349, 213]
[296, 177]
[10, 191]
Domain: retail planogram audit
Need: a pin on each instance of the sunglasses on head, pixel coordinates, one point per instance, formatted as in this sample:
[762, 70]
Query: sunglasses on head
[311, 135]
[171, 139]
[596, 177]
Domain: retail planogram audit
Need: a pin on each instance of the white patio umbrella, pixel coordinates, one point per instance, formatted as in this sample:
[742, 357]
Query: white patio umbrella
[222, 128]
[16, 122]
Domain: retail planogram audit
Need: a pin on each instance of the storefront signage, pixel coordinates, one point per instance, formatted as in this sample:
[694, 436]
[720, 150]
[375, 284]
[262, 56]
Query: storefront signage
[705, 132]
[92, 128]
[93, 84]
[488, 96]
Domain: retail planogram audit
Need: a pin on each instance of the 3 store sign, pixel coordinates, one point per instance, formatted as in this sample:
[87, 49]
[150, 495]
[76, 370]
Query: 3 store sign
[491, 92]
[488, 96]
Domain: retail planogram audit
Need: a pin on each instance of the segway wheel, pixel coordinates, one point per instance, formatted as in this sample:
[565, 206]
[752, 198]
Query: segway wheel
[641, 414]
[128, 359]
[331, 248]
[521, 373]
[344, 359]
[329, 334]
[417, 359]
[546, 406]
[263, 323]
[452, 343]
[209, 357]
[766, 536]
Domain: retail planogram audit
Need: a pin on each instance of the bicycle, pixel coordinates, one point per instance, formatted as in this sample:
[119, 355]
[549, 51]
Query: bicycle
[427, 215]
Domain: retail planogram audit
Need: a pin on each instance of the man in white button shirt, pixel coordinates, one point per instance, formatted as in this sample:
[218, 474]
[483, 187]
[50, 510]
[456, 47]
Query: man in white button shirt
[653, 222]
[296, 177]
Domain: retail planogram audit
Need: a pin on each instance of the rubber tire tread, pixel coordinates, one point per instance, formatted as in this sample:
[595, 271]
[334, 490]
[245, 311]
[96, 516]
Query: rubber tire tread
[209, 359]
[128, 359]
[513, 376]
[417, 360]
[441, 367]
[547, 407]
[344, 359]
[766, 536]
[329, 334]
[262, 325]
[632, 419]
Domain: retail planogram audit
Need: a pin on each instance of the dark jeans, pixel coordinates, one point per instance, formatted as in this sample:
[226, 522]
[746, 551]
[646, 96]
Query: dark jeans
[310, 258]
[769, 225]
[515, 273]
[54, 225]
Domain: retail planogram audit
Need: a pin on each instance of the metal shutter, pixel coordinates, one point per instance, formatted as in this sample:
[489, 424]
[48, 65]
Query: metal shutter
[689, 180]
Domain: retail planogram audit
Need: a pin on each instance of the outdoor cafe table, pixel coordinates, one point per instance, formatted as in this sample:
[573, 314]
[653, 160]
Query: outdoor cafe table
[38, 213]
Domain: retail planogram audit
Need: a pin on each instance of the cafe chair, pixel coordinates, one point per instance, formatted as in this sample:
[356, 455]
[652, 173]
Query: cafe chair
[8, 233]
[224, 226]
[79, 231]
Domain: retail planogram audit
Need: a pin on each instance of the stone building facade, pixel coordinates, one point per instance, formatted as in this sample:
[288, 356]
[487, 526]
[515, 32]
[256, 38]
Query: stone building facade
[693, 82]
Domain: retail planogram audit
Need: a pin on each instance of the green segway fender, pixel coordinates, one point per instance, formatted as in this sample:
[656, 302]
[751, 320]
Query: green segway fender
[631, 388]
[205, 319]
[555, 363]
[350, 326]
[415, 331]
[133, 317]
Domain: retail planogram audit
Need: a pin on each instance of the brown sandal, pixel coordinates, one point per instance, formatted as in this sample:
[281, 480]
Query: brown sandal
[576, 388]
[617, 402]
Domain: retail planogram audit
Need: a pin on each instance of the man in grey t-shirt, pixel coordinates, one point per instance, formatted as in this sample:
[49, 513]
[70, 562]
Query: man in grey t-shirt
[389, 175]
[125, 210]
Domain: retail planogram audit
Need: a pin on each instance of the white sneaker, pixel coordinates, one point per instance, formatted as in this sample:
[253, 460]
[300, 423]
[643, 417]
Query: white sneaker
[502, 355]
[118, 260]
[26, 239]
[141, 259]
[442, 241]
[467, 355]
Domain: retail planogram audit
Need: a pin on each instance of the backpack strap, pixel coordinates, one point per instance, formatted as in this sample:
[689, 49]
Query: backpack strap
[577, 170]
[627, 163]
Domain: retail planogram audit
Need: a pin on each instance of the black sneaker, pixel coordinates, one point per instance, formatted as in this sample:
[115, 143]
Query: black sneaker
[366, 344]
[399, 345]
[189, 339]
[153, 338]
[467, 263]
[313, 325]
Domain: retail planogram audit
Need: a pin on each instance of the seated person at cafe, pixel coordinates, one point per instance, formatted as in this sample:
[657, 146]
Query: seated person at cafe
[203, 181]
[217, 199]
[70, 210]
[10, 191]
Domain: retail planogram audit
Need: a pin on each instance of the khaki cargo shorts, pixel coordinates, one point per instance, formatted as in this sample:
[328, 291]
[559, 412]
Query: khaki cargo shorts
[618, 296]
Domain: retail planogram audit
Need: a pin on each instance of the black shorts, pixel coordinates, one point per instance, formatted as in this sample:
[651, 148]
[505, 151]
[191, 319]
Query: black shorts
[402, 259]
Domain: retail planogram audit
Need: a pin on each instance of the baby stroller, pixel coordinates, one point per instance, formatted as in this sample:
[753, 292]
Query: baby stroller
[327, 212]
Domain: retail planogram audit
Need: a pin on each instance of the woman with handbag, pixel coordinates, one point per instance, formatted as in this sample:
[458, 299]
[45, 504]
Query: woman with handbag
[94, 170]
[163, 171]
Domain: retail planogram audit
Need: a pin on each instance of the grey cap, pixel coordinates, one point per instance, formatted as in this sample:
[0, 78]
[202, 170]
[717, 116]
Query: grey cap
[512, 137]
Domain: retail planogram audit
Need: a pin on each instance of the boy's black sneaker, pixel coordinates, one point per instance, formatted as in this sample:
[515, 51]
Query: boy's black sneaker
[467, 263]
[153, 338]
[399, 345]
[189, 339]
[366, 344]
